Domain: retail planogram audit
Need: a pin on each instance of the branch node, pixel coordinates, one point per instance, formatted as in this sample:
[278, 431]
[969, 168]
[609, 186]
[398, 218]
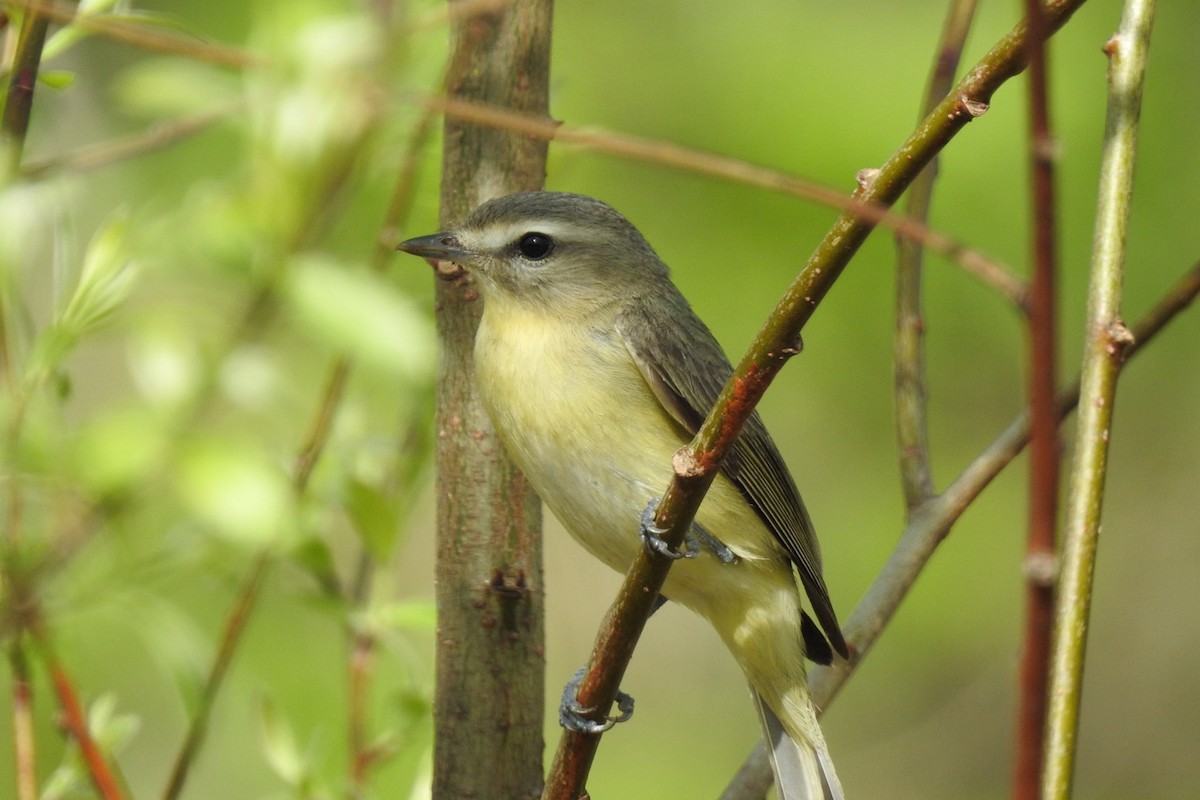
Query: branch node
[1118, 339]
[976, 108]
[1041, 569]
[866, 177]
[685, 464]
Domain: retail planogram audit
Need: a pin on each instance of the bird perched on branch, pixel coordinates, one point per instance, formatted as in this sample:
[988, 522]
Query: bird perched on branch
[594, 371]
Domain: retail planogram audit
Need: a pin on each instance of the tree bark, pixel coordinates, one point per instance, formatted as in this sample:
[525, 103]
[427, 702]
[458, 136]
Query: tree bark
[488, 703]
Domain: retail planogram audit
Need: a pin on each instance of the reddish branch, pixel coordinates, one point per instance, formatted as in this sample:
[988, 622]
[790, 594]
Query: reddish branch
[74, 718]
[1043, 428]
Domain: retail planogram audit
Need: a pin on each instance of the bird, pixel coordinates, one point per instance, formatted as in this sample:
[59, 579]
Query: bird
[594, 370]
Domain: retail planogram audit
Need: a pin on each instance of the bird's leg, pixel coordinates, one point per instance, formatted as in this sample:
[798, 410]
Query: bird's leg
[571, 715]
[652, 536]
[712, 544]
[696, 539]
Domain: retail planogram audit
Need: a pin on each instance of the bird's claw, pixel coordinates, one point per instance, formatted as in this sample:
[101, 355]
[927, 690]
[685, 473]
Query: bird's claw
[652, 537]
[573, 716]
[695, 540]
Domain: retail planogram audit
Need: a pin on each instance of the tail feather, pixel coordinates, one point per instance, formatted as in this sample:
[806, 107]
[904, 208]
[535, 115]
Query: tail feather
[802, 771]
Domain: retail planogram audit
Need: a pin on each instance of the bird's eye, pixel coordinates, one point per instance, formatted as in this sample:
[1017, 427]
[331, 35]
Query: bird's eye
[535, 246]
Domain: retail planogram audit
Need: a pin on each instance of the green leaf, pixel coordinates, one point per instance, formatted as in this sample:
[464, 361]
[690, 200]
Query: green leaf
[418, 615]
[105, 280]
[279, 745]
[56, 78]
[237, 490]
[168, 87]
[375, 516]
[360, 313]
[116, 451]
[110, 729]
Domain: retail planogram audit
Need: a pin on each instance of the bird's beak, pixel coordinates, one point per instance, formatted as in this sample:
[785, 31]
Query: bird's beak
[438, 246]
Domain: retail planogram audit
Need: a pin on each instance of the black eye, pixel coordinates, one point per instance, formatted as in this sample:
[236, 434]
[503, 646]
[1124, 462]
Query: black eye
[535, 246]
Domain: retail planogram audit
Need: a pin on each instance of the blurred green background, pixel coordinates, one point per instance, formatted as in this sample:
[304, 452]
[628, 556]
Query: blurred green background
[227, 271]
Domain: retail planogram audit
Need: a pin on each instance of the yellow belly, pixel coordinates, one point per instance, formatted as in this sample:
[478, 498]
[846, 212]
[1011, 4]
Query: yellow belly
[581, 422]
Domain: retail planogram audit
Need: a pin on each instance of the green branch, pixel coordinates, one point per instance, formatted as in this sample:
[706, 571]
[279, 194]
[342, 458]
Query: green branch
[1107, 340]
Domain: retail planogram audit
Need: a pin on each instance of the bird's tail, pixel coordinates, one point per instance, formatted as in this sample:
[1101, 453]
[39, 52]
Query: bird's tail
[803, 770]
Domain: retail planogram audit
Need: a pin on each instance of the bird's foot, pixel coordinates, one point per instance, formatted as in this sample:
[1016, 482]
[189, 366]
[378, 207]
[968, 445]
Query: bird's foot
[573, 716]
[696, 539]
[652, 537]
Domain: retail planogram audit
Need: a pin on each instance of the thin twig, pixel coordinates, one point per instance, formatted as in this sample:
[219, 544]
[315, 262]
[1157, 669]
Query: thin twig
[362, 755]
[74, 718]
[916, 478]
[104, 154]
[933, 521]
[1105, 345]
[141, 36]
[19, 102]
[363, 640]
[231, 637]
[669, 154]
[1043, 425]
[24, 759]
[696, 465]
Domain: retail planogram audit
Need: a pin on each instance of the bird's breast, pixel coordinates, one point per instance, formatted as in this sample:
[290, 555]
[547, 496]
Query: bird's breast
[580, 421]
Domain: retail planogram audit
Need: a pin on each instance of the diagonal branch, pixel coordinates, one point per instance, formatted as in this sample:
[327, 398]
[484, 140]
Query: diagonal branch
[19, 103]
[104, 778]
[933, 521]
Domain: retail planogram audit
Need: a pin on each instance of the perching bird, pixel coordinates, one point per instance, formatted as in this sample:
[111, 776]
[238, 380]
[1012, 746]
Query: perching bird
[594, 370]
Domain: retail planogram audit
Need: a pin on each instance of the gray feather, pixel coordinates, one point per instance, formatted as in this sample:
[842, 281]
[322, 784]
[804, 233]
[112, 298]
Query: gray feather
[686, 369]
[801, 772]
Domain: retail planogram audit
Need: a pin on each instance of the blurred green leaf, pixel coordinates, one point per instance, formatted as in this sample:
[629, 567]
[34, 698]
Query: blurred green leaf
[117, 450]
[358, 312]
[171, 87]
[56, 78]
[106, 277]
[313, 555]
[374, 513]
[230, 485]
[165, 364]
[279, 745]
[111, 729]
[420, 615]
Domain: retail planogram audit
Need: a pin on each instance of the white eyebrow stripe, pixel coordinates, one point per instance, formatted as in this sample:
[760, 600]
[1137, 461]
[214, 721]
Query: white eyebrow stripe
[495, 237]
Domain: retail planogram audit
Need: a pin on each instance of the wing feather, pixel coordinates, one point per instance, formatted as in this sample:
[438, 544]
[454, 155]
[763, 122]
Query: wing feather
[687, 369]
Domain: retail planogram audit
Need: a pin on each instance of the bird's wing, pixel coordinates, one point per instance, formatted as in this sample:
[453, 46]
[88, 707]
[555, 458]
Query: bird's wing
[686, 369]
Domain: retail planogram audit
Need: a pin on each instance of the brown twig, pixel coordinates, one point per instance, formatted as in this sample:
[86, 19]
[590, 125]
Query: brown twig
[19, 102]
[24, 759]
[231, 637]
[362, 756]
[105, 154]
[140, 36]
[363, 641]
[702, 162]
[916, 478]
[1043, 426]
[74, 718]
[933, 521]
